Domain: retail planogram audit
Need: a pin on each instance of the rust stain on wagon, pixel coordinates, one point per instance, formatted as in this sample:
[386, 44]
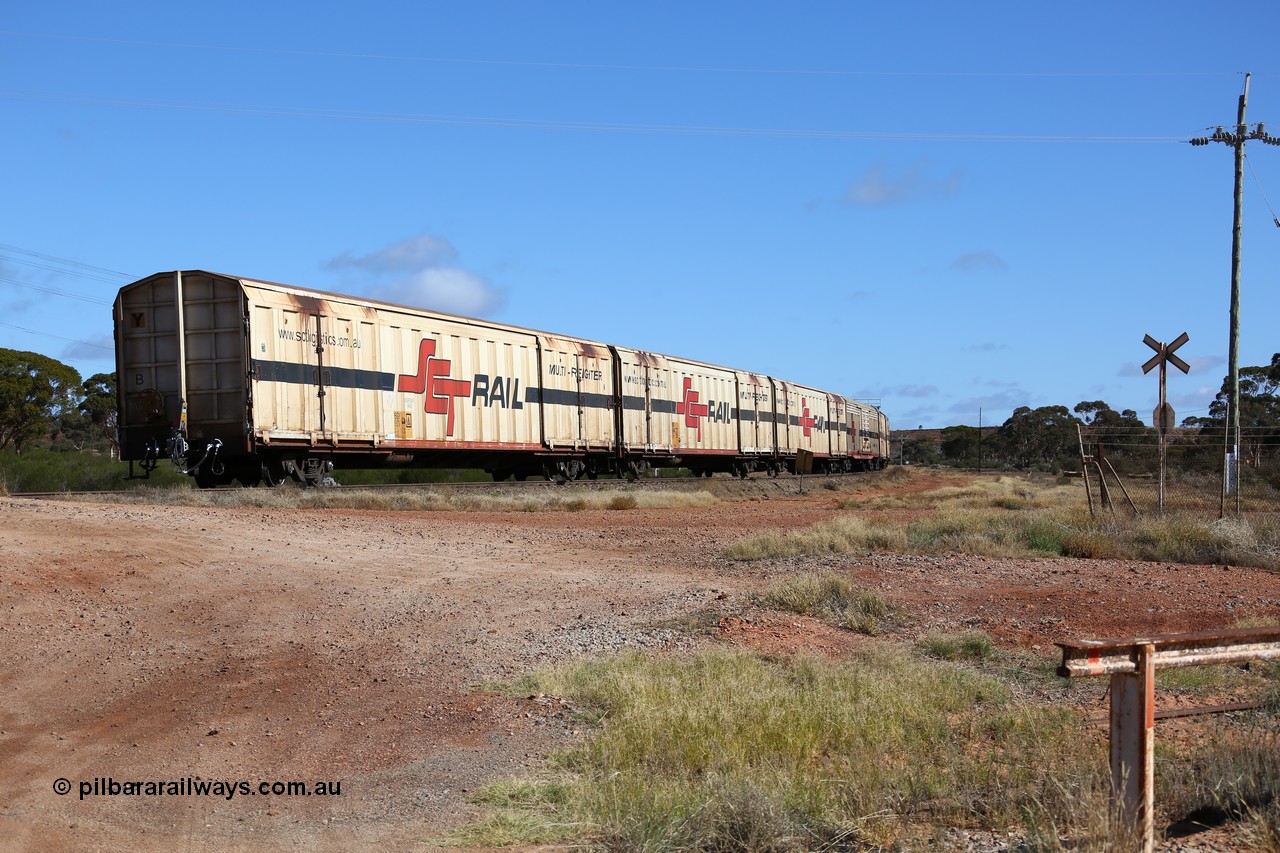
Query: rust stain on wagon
[586, 349]
[327, 307]
[648, 359]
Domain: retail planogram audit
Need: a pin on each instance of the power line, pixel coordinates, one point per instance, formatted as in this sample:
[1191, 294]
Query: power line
[525, 63]
[63, 261]
[58, 270]
[1267, 201]
[54, 291]
[59, 337]
[543, 124]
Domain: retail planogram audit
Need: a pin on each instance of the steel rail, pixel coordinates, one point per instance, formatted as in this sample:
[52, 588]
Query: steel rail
[512, 485]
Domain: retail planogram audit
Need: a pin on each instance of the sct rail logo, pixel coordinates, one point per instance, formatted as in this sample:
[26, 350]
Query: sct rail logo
[433, 380]
[692, 410]
[806, 419]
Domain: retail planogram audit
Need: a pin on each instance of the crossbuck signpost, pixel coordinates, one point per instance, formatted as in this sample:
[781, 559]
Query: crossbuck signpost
[1163, 418]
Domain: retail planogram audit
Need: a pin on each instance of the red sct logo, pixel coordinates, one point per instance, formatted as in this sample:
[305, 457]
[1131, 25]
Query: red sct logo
[806, 419]
[433, 379]
[692, 410]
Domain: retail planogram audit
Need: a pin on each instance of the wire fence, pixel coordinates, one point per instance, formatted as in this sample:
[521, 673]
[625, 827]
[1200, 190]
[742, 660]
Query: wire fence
[1122, 470]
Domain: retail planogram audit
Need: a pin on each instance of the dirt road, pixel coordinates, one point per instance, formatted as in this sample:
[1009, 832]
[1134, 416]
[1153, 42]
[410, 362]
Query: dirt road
[237, 648]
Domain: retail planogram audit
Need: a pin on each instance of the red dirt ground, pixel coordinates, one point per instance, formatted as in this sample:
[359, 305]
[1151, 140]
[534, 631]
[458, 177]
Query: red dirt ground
[175, 643]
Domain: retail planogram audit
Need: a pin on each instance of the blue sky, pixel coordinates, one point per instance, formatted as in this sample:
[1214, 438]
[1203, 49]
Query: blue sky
[938, 207]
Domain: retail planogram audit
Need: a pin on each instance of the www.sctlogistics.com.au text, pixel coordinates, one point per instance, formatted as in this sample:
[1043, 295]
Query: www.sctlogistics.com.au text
[192, 786]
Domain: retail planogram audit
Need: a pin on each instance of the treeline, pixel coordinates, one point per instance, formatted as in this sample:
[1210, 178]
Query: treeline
[1048, 438]
[44, 402]
[58, 431]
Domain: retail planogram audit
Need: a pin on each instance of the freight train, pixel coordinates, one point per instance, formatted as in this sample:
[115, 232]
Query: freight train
[244, 380]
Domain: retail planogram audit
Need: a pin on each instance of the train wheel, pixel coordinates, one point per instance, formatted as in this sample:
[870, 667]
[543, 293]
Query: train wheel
[315, 472]
[273, 473]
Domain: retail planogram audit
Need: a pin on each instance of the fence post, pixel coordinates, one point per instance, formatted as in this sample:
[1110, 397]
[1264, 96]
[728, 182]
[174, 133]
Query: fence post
[1133, 722]
[1084, 470]
[1132, 665]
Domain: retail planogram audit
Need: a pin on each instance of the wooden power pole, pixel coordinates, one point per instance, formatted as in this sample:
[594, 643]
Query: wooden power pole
[1236, 140]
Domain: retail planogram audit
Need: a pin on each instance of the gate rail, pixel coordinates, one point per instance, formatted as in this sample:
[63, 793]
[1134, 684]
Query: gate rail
[1132, 664]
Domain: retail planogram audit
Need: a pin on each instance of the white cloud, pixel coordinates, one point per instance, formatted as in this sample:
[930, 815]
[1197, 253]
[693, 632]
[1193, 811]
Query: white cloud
[448, 289]
[96, 348]
[1207, 364]
[877, 188]
[409, 255]
[905, 390]
[423, 272]
[1004, 400]
[978, 262]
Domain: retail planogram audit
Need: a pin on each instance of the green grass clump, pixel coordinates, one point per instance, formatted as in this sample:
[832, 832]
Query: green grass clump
[1016, 517]
[832, 598]
[41, 469]
[1175, 539]
[968, 531]
[840, 535]
[727, 750]
[972, 646]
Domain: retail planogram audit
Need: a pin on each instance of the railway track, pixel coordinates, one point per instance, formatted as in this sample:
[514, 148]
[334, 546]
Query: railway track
[656, 483]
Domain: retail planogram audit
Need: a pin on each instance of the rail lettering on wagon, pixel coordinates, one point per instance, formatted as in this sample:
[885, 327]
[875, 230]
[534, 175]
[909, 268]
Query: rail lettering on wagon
[501, 391]
[432, 379]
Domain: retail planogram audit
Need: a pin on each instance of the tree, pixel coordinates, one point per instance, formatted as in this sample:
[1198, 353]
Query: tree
[34, 390]
[960, 444]
[920, 451]
[99, 406]
[1259, 411]
[1039, 437]
[1098, 414]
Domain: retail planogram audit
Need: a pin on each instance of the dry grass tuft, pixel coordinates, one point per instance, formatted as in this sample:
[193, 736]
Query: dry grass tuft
[1018, 517]
[623, 502]
[420, 500]
[831, 598]
[1235, 776]
[840, 535]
